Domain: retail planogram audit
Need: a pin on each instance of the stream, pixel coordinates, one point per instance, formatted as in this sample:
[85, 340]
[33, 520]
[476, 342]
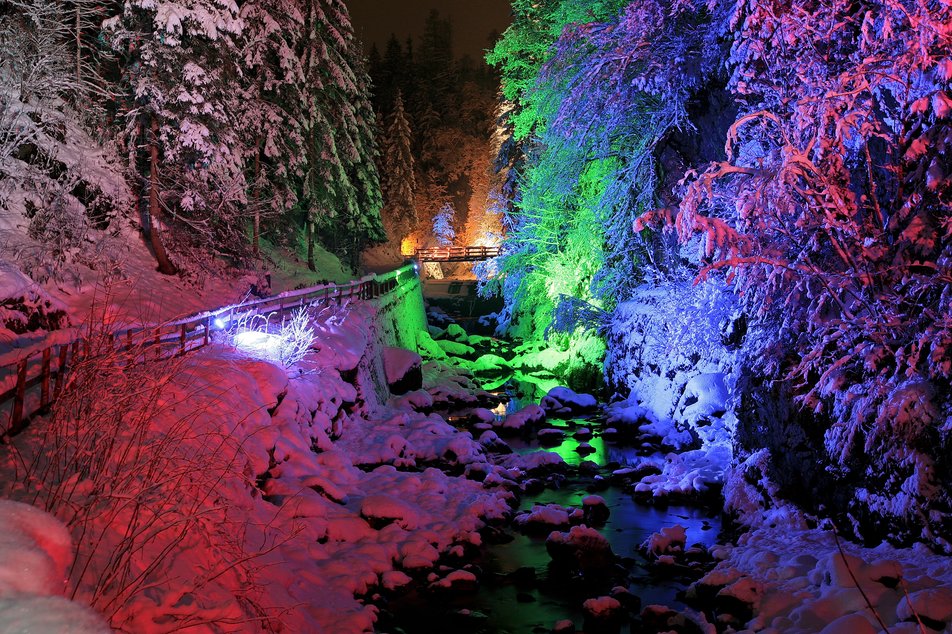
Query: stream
[521, 590]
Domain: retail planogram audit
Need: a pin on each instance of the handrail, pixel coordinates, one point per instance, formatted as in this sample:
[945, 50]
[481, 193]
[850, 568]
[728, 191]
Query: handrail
[46, 366]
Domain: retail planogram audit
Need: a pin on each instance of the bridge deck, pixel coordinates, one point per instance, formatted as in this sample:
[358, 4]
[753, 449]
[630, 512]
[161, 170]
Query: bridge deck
[456, 254]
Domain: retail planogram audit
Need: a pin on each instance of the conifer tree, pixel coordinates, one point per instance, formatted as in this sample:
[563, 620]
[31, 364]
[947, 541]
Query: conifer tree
[397, 174]
[181, 61]
[341, 192]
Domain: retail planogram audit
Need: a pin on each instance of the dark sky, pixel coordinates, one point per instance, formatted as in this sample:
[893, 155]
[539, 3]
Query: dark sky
[473, 20]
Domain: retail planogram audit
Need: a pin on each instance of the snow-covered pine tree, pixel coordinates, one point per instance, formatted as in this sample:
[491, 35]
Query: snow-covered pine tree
[443, 229]
[397, 178]
[341, 192]
[181, 64]
[275, 95]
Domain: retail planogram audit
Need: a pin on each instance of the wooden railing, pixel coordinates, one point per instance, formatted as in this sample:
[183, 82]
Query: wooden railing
[36, 375]
[456, 254]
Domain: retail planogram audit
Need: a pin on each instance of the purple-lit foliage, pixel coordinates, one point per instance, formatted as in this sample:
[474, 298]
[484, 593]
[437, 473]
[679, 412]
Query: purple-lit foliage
[830, 215]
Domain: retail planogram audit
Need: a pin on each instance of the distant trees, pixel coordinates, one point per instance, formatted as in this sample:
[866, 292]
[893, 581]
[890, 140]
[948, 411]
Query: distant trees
[448, 105]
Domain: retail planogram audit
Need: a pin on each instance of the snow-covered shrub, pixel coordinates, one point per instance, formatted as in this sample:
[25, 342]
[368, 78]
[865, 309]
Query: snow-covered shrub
[667, 335]
[831, 215]
[285, 343]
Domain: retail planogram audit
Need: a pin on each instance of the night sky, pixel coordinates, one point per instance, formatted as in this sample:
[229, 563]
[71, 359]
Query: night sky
[473, 20]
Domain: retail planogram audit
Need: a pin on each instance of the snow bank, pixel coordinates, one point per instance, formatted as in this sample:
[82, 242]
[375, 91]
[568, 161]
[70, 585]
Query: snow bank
[35, 555]
[797, 581]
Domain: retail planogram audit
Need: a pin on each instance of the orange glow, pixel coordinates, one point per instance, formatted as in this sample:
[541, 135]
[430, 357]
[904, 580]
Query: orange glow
[407, 246]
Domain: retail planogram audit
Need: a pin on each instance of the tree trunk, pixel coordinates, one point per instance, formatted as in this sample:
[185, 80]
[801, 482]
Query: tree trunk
[79, 47]
[256, 201]
[310, 245]
[154, 210]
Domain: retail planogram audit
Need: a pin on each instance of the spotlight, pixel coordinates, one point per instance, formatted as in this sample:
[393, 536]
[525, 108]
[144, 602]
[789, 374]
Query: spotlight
[219, 323]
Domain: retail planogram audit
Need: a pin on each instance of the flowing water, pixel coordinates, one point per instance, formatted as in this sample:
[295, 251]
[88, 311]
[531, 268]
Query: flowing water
[521, 591]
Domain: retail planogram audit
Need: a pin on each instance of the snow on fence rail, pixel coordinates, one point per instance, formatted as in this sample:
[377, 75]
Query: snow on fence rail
[34, 376]
[456, 254]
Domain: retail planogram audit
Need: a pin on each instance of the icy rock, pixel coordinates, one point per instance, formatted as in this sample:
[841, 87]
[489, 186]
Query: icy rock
[581, 547]
[602, 614]
[403, 370]
[934, 604]
[595, 509]
[381, 509]
[668, 540]
[661, 618]
[456, 581]
[456, 333]
[562, 401]
[584, 449]
[582, 433]
[455, 349]
[564, 626]
[550, 437]
[528, 416]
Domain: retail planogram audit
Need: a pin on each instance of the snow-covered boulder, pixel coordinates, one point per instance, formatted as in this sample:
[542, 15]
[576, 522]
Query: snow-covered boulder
[595, 509]
[704, 396]
[581, 548]
[403, 370]
[381, 509]
[514, 423]
[455, 349]
[35, 554]
[547, 516]
[490, 366]
[669, 540]
[35, 551]
[456, 333]
[561, 401]
[603, 614]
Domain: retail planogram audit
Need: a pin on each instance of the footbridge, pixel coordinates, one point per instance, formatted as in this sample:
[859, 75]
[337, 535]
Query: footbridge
[456, 254]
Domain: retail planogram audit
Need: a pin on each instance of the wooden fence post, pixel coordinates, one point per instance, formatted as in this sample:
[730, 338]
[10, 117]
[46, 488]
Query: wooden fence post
[45, 379]
[182, 338]
[60, 370]
[19, 396]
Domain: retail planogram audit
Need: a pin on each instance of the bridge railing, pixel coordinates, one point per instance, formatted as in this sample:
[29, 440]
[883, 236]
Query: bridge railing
[33, 377]
[456, 254]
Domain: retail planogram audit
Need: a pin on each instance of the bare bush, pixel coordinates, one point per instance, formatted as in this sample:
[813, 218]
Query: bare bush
[150, 485]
